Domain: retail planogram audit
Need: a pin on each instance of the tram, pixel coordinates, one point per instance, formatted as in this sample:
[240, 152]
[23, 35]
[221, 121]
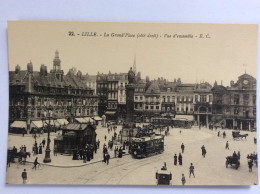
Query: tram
[146, 146]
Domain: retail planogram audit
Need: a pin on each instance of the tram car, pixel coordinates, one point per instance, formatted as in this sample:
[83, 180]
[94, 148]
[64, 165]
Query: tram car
[146, 146]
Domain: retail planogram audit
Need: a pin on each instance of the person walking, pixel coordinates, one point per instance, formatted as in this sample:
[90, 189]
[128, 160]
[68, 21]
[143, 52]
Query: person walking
[183, 180]
[24, 176]
[182, 148]
[43, 142]
[105, 137]
[227, 145]
[175, 159]
[107, 158]
[35, 163]
[192, 170]
[203, 150]
[40, 149]
[180, 159]
[250, 165]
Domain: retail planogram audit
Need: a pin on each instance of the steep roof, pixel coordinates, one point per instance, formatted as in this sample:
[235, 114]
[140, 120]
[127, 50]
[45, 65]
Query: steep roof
[153, 88]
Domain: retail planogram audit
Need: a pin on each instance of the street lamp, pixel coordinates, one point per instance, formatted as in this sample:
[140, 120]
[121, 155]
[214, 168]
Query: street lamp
[47, 158]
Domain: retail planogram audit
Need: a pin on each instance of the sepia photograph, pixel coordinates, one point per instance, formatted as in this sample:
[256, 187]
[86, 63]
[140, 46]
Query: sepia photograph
[121, 103]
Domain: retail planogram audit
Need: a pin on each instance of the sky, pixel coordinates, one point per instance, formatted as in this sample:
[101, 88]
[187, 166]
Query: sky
[192, 52]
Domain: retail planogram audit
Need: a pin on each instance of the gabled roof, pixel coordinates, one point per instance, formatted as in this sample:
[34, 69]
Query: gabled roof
[153, 88]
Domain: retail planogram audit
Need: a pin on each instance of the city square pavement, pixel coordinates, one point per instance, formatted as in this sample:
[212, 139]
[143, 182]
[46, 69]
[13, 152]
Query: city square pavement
[210, 170]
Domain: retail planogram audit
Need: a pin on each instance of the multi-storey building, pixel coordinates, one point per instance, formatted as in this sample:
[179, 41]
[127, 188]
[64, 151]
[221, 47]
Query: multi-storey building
[111, 90]
[34, 94]
[235, 106]
[90, 81]
[139, 98]
[152, 99]
[102, 91]
[203, 103]
[184, 99]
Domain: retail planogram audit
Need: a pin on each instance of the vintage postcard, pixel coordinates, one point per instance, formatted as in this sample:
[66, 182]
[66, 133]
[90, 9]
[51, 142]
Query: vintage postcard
[108, 103]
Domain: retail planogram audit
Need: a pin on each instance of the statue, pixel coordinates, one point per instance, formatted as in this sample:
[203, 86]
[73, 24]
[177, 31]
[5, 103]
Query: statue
[131, 76]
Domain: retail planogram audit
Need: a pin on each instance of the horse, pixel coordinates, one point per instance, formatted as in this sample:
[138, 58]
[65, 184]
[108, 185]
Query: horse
[22, 155]
[244, 135]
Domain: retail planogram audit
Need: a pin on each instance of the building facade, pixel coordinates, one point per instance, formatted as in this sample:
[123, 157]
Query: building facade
[36, 94]
[235, 106]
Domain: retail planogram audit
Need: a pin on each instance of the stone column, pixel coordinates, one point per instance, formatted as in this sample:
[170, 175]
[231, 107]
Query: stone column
[207, 121]
[241, 125]
[198, 119]
[249, 126]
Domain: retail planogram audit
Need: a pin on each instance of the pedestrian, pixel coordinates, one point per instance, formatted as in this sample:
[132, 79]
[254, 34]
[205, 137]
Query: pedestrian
[23, 133]
[182, 147]
[224, 135]
[180, 159]
[55, 151]
[192, 170]
[180, 131]
[203, 150]
[107, 158]
[35, 163]
[175, 159]
[43, 142]
[250, 165]
[218, 133]
[255, 141]
[40, 149]
[24, 176]
[105, 137]
[227, 145]
[183, 180]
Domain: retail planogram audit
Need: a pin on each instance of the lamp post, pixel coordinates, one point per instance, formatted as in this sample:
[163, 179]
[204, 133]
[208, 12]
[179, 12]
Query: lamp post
[47, 158]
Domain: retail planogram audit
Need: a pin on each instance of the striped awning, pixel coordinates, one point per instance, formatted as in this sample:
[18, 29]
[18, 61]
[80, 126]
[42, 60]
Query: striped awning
[81, 120]
[60, 122]
[97, 118]
[18, 124]
[37, 124]
[184, 117]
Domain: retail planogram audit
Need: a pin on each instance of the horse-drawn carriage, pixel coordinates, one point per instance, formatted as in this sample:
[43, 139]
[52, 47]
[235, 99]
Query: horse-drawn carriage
[232, 160]
[237, 135]
[12, 154]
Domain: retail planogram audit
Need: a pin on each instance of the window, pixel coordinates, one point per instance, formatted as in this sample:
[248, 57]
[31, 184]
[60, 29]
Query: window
[136, 97]
[173, 98]
[146, 107]
[157, 107]
[196, 98]
[254, 99]
[151, 107]
[236, 99]
[168, 98]
[254, 111]
[164, 99]
[210, 98]
[141, 98]
[203, 98]
[236, 111]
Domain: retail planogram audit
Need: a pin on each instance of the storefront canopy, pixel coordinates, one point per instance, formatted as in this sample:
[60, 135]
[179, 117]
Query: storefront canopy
[97, 118]
[81, 120]
[60, 122]
[110, 112]
[88, 119]
[18, 124]
[46, 122]
[184, 117]
[76, 127]
[36, 124]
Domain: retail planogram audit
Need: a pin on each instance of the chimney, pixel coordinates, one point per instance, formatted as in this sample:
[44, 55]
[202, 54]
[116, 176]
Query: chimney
[17, 69]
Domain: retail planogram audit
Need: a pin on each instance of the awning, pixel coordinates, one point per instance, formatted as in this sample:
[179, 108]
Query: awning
[46, 122]
[60, 122]
[37, 124]
[76, 126]
[81, 120]
[184, 117]
[110, 112]
[97, 118]
[88, 119]
[18, 124]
